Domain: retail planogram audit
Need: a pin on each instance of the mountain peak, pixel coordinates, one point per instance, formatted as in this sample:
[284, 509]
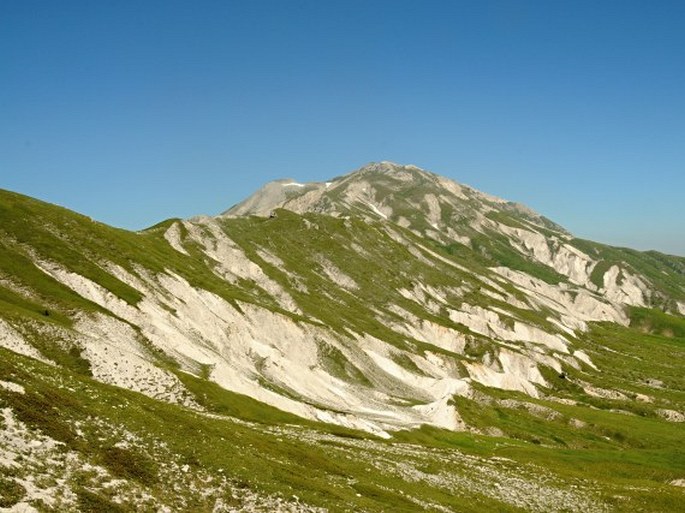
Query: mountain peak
[385, 166]
[388, 168]
[424, 202]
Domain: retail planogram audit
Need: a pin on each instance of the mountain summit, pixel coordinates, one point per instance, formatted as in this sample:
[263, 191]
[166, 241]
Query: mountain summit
[404, 194]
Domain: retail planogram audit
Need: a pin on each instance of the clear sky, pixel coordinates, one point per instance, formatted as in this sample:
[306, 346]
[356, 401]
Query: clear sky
[135, 111]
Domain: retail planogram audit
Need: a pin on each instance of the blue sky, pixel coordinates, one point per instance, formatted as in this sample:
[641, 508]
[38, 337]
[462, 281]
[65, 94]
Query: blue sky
[132, 112]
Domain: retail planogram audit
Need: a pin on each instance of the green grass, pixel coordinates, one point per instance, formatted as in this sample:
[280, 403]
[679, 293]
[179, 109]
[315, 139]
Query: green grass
[83, 246]
[90, 502]
[598, 272]
[11, 492]
[130, 464]
[494, 250]
[657, 322]
[221, 401]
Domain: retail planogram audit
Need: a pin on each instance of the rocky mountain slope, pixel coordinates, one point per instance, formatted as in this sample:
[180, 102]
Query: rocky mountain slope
[500, 232]
[382, 301]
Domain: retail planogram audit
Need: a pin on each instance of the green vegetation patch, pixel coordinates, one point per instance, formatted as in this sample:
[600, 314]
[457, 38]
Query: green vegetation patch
[494, 250]
[130, 464]
[91, 502]
[657, 322]
[224, 402]
[11, 492]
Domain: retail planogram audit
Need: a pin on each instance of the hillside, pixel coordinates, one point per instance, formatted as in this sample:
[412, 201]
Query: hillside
[387, 321]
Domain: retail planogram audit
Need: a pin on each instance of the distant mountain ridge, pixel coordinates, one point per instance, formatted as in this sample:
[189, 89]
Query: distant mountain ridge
[382, 189]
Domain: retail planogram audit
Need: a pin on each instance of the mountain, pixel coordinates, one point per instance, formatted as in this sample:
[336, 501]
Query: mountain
[390, 303]
[501, 232]
[406, 195]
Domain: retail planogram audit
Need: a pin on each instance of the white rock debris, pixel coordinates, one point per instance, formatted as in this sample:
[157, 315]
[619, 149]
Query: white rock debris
[518, 372]
[562, 257]
[173, 237]
[681, 307]
[671, 415]
[12, 387]
[11, 339]
[576, 305]
[490, 324]
[117, 357]
[621, 286]
[233, 263]
[49, 473]
[334, 274]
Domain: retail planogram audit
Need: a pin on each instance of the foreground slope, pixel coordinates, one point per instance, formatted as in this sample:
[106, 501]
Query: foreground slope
[70, 443]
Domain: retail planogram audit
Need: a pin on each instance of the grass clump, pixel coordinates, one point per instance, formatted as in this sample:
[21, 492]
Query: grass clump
[130, 464]
[91, 502]
[11, 492]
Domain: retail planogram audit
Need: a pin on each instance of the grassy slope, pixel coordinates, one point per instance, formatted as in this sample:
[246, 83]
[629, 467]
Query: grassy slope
[624, 461]
[489, 249]
[381, 269]
[623, 442]
[82, 245]
[632, 455]
[665, 272]
[261, 457]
